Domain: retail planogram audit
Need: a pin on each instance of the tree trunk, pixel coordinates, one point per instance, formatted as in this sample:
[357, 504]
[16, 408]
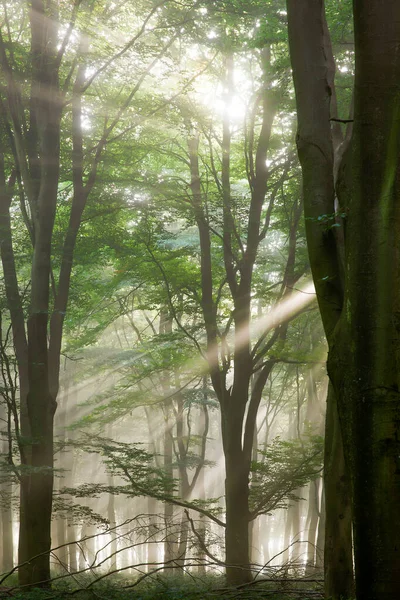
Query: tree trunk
[255, 542]
[60, 523]
[311, 524]
[296, 549]
[201, 529]
[37, 485]
[368, 337]
[238, 404]
[363, 338]
[266, 529]
[319, 558]
[37, 490]
[61, 540]
[71, 537]
[237, 520]
[7, 530]
[152, 546]
[112, 522]
[313, 74]
[338, 554]
[170, 538]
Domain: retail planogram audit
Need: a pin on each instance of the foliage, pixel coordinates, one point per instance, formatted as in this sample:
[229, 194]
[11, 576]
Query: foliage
[134, 464]
[285, 466]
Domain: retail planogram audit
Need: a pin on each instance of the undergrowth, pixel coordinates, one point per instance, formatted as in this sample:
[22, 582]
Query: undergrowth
[184, 587]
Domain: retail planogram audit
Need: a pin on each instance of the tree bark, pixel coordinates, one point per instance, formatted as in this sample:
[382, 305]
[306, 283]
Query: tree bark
[338, 553]
[363, 336]
[312, 524]
[7, 558]
[313, 74]
[237, 552]
[368, 338]
[319, 558]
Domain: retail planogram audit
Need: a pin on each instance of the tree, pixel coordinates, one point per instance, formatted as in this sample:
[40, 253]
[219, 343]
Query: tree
[324, 232]
[251, 365]
[45, 75]
[356, 271]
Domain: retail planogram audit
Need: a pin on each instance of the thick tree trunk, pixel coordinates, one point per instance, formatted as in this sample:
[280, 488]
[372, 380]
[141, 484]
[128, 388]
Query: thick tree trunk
[37, 485]
[368, 338]
[313, 74]
[338, 554]
[364, 344]
[237, 520]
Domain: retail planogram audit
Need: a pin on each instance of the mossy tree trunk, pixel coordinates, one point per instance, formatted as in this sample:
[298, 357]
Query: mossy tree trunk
[368, 336]
[363, 328]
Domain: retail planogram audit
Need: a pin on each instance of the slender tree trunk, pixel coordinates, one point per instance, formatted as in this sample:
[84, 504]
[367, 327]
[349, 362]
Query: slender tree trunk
[152, 546]
[295, 509]
[287, 536]
[70, 465]
[60, 523]
[265, 535]
[319, 558]
[112, 521]
[185, 488]
[291, 544]
[170, 536]
[61, 540]
[312, 524]
[87, 552]
[72, 548]
[201, 529]
[7, 530]
[254, 526]
[183, 542]
[111, 516]
[255, 542]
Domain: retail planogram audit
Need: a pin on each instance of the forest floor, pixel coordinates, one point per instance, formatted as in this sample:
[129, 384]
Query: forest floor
[187, 587]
